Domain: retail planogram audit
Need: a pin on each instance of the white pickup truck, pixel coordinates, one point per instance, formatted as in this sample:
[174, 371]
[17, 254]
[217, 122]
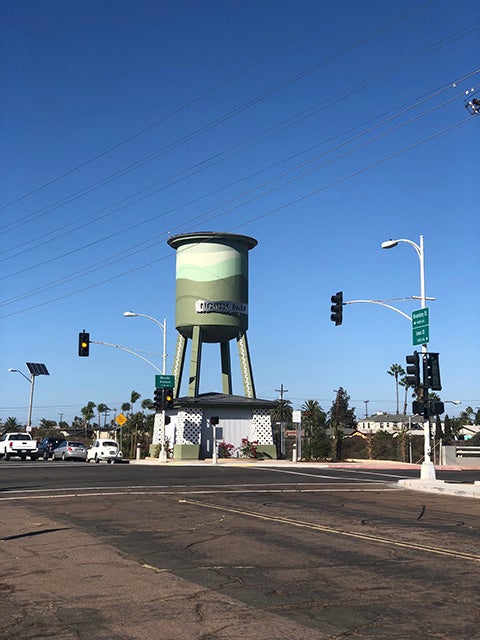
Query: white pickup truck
[18, 444]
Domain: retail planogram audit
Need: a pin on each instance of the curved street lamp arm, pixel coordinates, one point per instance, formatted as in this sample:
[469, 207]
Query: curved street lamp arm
[134, 353]
[417, 247]
[382, 304]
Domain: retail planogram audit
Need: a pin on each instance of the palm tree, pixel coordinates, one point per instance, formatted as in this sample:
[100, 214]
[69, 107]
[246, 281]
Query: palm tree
[11, 424]
[102, 408]
[396, 370]
[88, 413]
[134, 396]
[148, 404]
[404, 383]
[315, 440]
[279, 416]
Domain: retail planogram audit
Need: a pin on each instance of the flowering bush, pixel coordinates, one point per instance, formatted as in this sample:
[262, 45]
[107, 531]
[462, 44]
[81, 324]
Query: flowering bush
[249, 449]
[225, 450]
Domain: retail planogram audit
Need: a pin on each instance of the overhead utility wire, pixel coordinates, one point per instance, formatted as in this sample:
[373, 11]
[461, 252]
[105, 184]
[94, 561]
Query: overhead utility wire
[255, 218]
[200, 166]
[274, 130]
[179, 109]
[123, 255]
[80, 224]
[213, 123]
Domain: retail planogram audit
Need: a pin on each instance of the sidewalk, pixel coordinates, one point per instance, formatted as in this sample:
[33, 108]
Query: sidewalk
[469, 490]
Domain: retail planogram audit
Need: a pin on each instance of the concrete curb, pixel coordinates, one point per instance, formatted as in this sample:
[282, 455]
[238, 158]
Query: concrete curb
[442, 487]
[242, 462]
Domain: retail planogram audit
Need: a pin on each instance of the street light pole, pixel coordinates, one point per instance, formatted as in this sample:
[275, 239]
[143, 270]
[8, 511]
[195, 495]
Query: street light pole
[428, 468]
[31, 381]
[163, 327]
[161, 423]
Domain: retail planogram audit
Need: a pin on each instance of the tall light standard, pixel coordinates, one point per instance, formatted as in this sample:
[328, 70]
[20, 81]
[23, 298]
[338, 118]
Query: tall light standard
[163, 327]
[428, 469]
[158, 424]
[35, 369]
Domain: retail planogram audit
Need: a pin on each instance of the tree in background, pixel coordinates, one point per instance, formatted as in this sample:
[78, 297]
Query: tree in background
[403, 383]
[281, 416]
[88, 414]
[134, 396]
[340, 417]
[314, 427]
[466, 417]
[148, 404]
[102, 409]
[44, 423]
[396, 371]
[11, 424]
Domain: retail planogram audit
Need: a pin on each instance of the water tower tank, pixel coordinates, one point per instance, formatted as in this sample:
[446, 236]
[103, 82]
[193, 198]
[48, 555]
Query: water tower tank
[212, 284]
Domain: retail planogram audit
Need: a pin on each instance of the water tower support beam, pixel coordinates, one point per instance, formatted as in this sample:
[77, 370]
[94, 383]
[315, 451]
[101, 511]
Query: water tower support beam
[226, 368]
[245, 365]
[178, 362]
[196, 358]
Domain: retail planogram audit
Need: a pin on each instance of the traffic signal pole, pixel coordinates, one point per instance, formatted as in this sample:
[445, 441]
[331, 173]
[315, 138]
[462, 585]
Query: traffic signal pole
[427, 471]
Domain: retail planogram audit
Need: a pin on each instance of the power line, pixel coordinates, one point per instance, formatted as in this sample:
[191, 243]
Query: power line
[152, 241]
[257, 217]
[187, 104]
[213, 123]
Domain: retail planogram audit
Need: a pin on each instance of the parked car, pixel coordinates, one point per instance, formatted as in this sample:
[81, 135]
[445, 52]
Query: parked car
[104, 449]
[46, 447]
[18, 444]
[70, 450]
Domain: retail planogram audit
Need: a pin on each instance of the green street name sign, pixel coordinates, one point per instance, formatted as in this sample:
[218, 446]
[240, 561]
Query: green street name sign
[420, 327]
[420, 318]
[420, 335]
[164, 382]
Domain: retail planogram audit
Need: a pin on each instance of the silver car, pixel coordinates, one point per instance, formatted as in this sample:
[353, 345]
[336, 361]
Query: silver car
[70, 450]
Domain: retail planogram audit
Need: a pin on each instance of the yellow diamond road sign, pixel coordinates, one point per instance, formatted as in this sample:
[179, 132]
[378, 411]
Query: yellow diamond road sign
[120, 419]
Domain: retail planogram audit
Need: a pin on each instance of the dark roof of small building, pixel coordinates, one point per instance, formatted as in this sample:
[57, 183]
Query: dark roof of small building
[391, 417]
[213, 399]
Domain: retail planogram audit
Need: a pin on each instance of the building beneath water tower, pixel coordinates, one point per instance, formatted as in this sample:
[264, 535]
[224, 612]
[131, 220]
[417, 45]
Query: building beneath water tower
[212, 307]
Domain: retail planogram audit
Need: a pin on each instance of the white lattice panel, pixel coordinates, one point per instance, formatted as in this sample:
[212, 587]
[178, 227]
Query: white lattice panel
[189, 426]
[261, 427]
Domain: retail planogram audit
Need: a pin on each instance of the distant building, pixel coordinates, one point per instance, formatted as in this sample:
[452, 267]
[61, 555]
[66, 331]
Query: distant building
[390, 423]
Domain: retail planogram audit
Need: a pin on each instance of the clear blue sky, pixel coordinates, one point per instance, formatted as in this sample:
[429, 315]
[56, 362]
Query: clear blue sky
[319, 128]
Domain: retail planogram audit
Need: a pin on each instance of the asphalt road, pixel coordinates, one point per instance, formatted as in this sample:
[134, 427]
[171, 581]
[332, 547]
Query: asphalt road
[217, 553]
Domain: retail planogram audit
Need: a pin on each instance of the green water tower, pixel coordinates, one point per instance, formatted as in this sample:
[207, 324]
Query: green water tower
[212, 303]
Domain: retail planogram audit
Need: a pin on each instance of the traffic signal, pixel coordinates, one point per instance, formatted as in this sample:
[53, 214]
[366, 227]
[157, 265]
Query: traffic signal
[83, 344]
[158, 399]
[428, 408]
[418, 407]
[432, 380]
[214, 420]
[337, 308]
[168, 398]
[413, 370]
[436, 408]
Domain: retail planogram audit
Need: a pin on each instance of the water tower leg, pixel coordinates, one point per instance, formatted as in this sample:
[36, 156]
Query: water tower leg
[246, 366]
[194, 380]
[226, 368]
[178, 362]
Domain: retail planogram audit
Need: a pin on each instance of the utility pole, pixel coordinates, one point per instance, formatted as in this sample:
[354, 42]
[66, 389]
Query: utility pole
[281, 391]
[366, 408]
